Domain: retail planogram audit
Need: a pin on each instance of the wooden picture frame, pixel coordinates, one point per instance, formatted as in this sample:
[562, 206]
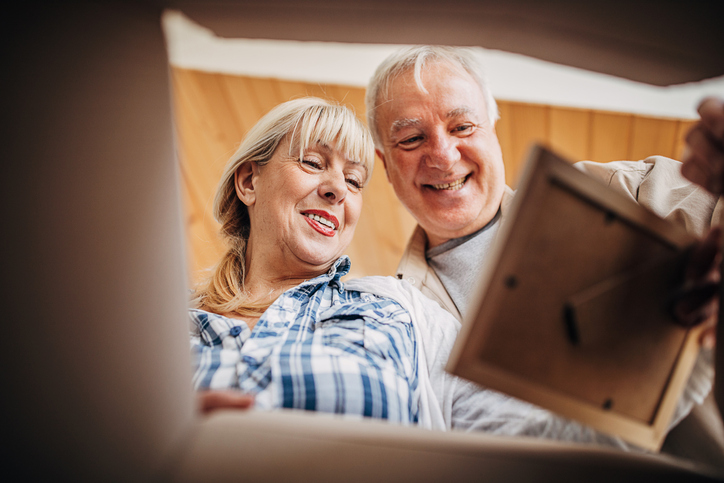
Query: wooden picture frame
[573, 311]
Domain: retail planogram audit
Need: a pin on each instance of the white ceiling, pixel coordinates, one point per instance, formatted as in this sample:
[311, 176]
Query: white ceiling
[512, 77]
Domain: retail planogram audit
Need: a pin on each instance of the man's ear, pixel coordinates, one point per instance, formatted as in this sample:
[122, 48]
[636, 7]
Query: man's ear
[245, 178]
[381, 155]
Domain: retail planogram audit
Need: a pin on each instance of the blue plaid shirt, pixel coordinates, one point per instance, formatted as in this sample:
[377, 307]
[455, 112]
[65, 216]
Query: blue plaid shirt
[318, 347]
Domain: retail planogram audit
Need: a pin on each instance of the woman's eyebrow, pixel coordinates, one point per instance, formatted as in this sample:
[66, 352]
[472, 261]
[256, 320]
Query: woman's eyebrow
[359, 164]
[323, 147]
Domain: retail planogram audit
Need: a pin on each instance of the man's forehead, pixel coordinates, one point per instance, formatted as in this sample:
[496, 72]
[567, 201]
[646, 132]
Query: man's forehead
[434, 81]
[433, 73]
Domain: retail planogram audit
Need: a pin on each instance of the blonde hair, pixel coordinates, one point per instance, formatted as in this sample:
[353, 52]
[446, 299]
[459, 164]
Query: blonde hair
[307, 121]
[415, 58]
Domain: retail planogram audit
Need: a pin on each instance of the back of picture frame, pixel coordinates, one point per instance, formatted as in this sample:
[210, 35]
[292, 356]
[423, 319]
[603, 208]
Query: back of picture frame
[573, 311]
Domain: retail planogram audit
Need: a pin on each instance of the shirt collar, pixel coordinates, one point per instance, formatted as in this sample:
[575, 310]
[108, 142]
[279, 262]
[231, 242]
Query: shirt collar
[339, 269]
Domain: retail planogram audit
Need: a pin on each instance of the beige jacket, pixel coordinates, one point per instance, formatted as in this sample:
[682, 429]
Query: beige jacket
[655, 183]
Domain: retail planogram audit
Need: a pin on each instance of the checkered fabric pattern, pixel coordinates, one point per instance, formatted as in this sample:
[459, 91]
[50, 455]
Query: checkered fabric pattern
[319, 347]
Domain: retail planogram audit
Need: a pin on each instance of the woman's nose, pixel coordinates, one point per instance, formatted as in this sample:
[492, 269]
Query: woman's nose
[333, 187]
[442, 153]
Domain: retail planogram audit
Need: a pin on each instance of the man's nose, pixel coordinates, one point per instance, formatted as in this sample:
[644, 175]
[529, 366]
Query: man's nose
[442, 153]
[333, 187]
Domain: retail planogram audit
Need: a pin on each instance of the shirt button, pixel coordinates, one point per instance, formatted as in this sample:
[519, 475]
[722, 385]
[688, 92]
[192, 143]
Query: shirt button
[411, 280]
[234, 331]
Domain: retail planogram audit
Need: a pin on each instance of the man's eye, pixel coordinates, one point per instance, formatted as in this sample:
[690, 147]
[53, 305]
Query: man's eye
[411, 141]
[312, 163]
[464, 128]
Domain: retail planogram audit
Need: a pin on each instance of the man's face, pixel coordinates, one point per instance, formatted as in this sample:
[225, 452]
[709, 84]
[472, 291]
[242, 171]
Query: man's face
[440, 152]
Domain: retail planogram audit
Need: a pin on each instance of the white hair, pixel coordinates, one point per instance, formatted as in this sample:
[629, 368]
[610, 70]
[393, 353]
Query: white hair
[416, 58]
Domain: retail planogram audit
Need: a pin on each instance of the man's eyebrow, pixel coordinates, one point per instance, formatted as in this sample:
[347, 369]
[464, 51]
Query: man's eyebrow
[460, 111]
[400, 124]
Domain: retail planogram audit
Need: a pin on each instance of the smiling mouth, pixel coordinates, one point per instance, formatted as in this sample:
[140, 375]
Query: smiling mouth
[453, 186]
[321, 220]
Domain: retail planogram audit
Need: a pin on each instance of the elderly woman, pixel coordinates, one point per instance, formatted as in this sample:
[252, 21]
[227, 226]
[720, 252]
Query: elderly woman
[276, 322]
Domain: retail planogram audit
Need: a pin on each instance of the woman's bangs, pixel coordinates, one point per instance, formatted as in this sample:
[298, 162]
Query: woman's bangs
[339, 126]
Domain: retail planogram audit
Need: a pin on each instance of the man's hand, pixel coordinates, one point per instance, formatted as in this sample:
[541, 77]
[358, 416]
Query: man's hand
[208, 401]
[698, 301]
[703, 156]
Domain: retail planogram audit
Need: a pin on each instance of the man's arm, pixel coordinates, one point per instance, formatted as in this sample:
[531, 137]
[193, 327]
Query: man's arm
[704, 164]
[703, 160]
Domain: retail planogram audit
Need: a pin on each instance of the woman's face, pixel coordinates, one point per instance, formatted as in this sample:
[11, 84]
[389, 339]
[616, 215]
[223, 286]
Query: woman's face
[303, 211]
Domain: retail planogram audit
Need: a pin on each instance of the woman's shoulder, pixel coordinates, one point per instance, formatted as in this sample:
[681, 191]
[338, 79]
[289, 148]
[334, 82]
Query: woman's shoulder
[391, 287]
[375, 284]
[204, 319]
[213, 327]
[196, 313]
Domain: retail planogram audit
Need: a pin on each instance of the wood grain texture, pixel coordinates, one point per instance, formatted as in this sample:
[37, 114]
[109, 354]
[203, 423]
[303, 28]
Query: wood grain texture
[570, 132]
[652, 136]
[528, 125]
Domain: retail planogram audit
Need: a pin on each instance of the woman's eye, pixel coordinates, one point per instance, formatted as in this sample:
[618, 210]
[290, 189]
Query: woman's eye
[312, 163]
[354, 183]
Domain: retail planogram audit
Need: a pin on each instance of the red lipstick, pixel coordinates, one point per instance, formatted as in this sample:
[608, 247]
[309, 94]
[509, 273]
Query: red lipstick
[320, 225]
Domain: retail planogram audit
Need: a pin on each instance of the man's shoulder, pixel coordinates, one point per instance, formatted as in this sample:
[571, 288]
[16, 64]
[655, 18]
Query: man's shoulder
[635, 169]
[657, 184]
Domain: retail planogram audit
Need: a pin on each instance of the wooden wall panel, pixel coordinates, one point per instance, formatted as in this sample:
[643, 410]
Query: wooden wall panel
[610, 136]
[242, 97]
[683, 127]
[504, 130]
[293, 90]
[652, 136]
[214, 111]
[528, 124]
[204, 146]
[570, 131]
[265, 94]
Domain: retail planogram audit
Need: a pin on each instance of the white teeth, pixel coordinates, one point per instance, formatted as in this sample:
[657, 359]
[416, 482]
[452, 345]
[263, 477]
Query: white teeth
[455, 185]
[321, 220]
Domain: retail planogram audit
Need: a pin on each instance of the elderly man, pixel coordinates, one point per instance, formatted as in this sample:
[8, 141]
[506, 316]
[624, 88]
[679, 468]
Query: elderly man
[433, 122]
